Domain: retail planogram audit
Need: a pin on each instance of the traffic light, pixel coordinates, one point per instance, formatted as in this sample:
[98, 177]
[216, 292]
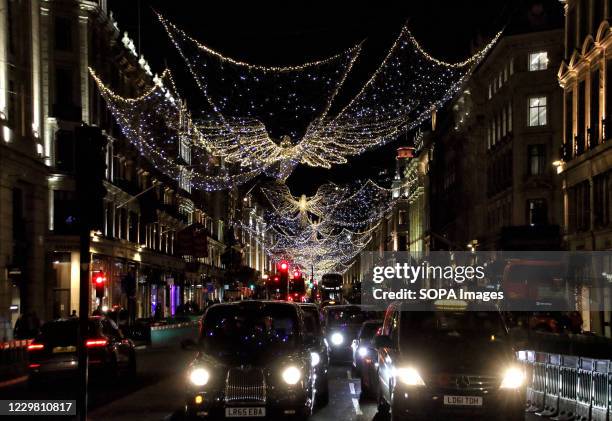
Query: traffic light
[99, 281]
[90, 175]
[283, 266]
[283, 271]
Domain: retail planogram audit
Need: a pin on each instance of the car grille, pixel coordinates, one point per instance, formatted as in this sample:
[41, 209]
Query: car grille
[245, 385]
[468, 382]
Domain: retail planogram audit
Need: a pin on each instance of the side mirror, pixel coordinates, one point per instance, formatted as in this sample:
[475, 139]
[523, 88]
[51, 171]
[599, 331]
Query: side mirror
[189, 345]
[383, 341]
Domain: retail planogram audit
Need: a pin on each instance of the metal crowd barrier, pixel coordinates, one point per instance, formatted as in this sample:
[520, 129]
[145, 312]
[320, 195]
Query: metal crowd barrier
[13, 358]
[567, 387]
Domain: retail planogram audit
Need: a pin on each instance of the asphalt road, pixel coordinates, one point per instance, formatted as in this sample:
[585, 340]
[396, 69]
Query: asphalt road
[157, 392]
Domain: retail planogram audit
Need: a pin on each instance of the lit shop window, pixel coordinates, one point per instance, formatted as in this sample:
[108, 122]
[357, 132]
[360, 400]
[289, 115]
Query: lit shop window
[538, 61]
[537, 111]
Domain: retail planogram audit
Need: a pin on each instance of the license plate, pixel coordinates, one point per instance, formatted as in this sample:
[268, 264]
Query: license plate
[245, 412]
[463, 400]
[61, 349]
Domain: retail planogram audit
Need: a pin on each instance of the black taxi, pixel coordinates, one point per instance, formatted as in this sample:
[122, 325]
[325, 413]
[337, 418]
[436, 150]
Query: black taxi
[447, 363]
[253, 361]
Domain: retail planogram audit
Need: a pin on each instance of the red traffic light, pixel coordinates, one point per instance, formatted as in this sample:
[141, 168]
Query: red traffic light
[99, 278]
[283, 266]
[296, 274]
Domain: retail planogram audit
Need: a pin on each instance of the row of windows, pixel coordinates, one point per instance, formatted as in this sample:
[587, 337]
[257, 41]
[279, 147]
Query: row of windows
[502, 124]
[536, 213]
[588, 131]
[501, 78]
[537, 61]
[499, 126]
[579, 207]
[499, 172]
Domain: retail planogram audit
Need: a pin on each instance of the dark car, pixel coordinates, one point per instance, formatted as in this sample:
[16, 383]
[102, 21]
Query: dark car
[448, 363]
[53, 352]
[319, 351]
[364, 352]
[342, 324]
[252, 362]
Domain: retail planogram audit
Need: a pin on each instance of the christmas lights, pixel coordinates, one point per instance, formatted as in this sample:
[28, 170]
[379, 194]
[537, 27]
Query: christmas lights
[405, 90]
[159, 125]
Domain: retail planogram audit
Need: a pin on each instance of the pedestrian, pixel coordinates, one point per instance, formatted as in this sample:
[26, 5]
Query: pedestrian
[19, 330]
[73, 315]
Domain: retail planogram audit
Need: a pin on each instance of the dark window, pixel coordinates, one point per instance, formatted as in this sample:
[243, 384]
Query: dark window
[537, 212]
[64, 212]
[18, 220]
[608, 126]
[602, 199]
[109, 219]
[594, 130]
[402, 243]
[10, 26]
[598, 13]
[402, 217]
[584, 19]
[64, 151]
[536, 159]
[133, 229]
[63, 86]
[63, 34]
[579, 207]
[581, 117]
[571, 31]
[569, 118]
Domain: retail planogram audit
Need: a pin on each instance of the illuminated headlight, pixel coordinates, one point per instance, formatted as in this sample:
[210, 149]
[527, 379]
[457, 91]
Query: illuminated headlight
[291, 375]
[362, 351]
[315, 359]
[409, 376]
[199, 376]
[513, 378]
[337, 339]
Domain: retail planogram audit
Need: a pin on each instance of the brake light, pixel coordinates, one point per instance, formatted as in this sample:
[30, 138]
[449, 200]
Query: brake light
[35, 347]
[95, 343]
[34, 365]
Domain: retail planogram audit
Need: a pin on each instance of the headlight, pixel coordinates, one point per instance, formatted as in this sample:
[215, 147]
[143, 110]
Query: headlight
[362, 351]
[199, 376]
[409, 376]
[315, 359]
[291, 375]
[513, 378]
[337, 339]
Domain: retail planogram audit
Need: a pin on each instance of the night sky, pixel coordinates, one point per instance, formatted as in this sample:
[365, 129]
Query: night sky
[293, 32]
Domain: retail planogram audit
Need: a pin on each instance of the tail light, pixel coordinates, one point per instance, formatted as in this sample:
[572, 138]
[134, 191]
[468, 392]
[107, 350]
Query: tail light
[35, 347]
[95, 343]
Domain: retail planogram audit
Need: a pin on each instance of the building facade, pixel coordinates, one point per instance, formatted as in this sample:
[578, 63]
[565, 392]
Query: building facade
[586, 165]
[492, 182]
[46, 48]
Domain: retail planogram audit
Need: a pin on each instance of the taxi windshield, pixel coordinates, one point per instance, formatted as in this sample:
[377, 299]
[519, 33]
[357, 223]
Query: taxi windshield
[453, 324]
[230, 329]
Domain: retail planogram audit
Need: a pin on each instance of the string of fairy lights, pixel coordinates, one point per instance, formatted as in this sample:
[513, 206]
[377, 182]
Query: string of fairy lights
[323, 232]
[258, 120]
